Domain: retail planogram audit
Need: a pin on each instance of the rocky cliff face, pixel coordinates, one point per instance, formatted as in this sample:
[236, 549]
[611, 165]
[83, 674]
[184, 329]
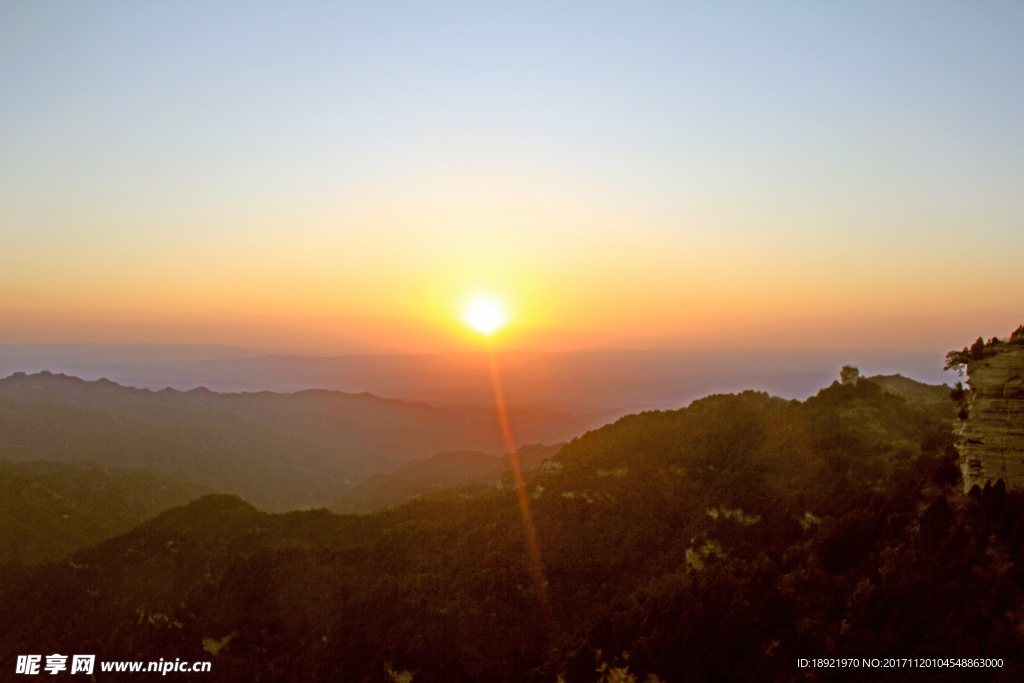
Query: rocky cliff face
[991, 431]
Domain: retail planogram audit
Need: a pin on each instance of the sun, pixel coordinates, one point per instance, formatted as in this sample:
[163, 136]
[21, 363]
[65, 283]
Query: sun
[485, 315]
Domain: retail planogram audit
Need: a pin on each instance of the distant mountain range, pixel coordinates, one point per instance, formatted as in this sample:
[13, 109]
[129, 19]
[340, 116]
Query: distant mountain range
[281, 451]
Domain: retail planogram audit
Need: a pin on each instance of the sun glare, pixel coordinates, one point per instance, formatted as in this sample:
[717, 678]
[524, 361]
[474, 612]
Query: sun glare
[485, 315]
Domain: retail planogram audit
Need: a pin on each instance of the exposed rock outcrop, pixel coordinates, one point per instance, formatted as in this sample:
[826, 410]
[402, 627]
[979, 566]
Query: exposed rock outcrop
[849, 375]
[991, 429]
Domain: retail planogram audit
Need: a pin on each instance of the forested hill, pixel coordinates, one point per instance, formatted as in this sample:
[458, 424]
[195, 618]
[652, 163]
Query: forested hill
[719, 542]
[444, 475]
[48, 509]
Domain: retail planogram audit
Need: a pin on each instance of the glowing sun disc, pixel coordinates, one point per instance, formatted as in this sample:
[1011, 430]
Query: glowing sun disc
[484, 315]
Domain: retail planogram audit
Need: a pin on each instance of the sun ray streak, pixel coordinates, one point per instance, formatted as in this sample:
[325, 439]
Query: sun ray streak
[532, 546]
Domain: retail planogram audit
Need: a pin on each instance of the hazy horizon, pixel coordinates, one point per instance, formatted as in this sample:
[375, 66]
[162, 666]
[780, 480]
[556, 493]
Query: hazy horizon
[608, 383]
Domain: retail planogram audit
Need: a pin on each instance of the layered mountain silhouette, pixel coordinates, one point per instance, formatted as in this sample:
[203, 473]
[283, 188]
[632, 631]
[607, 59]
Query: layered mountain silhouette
[281, 451]
[722, 541]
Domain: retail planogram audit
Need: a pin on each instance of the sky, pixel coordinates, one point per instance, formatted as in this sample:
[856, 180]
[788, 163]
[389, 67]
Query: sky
[331, 178]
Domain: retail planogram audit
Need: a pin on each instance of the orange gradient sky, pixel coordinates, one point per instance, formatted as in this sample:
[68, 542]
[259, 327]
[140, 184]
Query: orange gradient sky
[330, 180]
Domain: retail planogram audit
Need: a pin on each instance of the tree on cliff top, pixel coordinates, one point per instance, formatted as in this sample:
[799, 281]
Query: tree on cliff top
[957, 360]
